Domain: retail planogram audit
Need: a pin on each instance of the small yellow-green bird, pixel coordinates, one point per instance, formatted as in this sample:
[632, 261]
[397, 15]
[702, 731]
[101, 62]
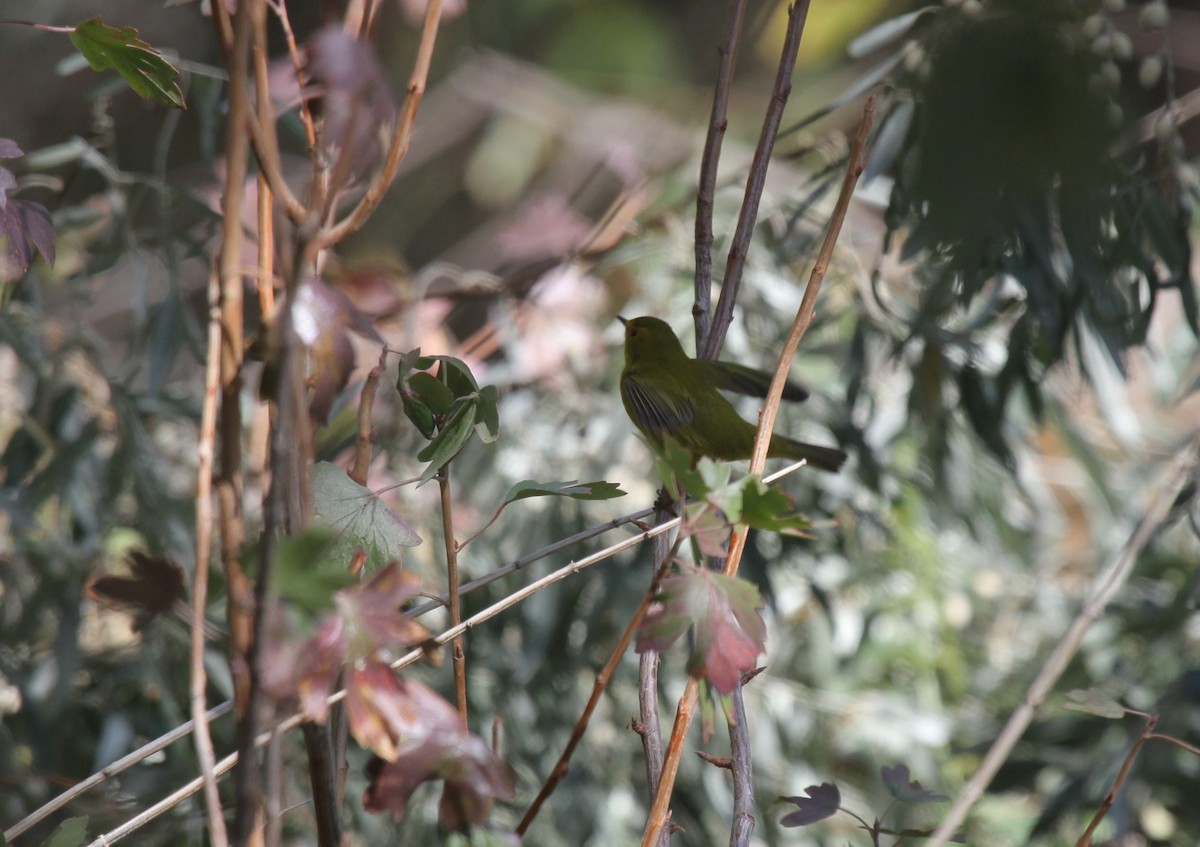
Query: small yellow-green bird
[667, 392]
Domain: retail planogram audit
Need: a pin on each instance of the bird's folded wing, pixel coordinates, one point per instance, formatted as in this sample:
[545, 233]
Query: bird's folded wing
[657, 408]
[753, 383]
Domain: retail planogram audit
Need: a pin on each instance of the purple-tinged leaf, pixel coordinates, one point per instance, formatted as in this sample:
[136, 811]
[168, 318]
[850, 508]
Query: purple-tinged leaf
[9, 149]
[23, 222]
[821, 801]
[896, 781]
[729, 633]
[704, 523]
[7, 183]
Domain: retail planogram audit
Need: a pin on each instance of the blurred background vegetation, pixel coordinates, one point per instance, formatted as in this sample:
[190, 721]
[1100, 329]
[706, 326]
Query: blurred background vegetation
[1006, 345]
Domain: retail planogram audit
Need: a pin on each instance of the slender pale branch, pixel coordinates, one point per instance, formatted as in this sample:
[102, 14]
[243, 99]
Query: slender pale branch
[1106, 586]
[205, 453]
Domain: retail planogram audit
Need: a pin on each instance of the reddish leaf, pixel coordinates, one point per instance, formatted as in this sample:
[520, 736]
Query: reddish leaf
[704, 523]
[822, 801]
[153, 586]
[379, 708]
[729, 633]
[318, 666]
[896, 781]
[436, 746]
[374, 609]
[322, 316]
[357, 101]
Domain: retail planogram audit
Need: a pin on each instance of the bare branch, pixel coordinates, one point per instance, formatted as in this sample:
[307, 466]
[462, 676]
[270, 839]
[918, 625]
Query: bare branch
[740, 244]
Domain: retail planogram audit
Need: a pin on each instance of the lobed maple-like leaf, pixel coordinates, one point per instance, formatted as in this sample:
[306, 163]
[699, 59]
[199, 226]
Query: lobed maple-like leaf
[153, 586]
[897, 782]
[821, 802]
[729, 632]
[360, 519]
[24, 223]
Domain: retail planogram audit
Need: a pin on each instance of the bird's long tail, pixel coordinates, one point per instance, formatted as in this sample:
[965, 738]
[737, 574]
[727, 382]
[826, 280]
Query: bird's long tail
[825, 458]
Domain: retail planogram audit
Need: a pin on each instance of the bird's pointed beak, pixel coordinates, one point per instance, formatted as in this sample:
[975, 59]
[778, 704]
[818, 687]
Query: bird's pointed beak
[624, 321]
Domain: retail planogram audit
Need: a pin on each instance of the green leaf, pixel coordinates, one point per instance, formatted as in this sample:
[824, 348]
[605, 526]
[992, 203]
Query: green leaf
[431, 391]
[306, 571]
[446, 444]
[1094, 701]
[141, 66]
[457, 376]
[420, 415]
[70, 833]
[770, 509]
[599, 490]
[360, 519]
[487, 416]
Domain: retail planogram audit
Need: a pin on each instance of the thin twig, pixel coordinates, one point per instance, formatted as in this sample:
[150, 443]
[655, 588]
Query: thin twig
[650, 722]
[1106, 585]
[279, 7]
[459, 657]
[204, 529]
[709, 162]
[401, 136]
[742, 769]
[564, 760]
[739, 246]
[229, 479]
[136, 757]
[1147, 733]
[685, 711]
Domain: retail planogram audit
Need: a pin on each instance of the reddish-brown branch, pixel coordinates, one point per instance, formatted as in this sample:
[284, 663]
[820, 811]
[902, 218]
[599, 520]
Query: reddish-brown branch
[598, 688]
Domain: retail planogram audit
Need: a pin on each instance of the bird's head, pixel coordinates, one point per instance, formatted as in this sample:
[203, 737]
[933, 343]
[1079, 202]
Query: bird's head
[652, 340]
